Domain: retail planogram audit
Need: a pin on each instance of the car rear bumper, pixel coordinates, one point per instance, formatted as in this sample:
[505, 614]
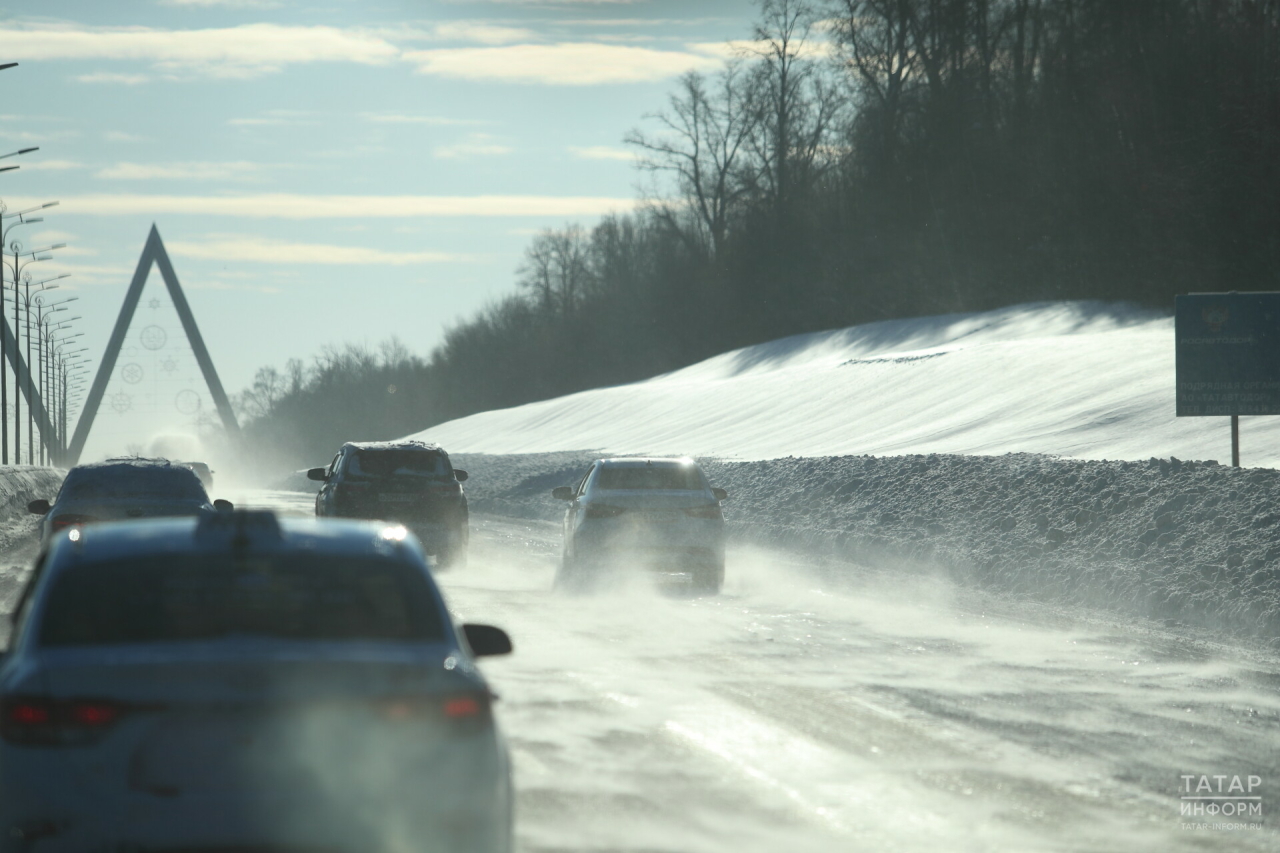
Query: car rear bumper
[50, 810]
[658, 548]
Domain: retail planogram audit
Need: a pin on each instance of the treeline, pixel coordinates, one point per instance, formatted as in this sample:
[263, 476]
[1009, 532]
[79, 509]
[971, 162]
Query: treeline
[870, 159]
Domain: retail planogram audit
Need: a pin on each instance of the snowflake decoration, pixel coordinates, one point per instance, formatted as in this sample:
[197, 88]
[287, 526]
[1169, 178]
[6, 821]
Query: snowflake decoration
[187, 402]
[121, 402]
[153, 337]
[131, 373]
[153, 304]
[169, 365]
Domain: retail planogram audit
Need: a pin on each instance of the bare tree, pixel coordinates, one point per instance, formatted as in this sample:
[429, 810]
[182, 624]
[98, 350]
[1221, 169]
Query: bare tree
[874, 42]
[556, 269]
[701, 142]
[797, 107]
[260, 398]
[1024, 51]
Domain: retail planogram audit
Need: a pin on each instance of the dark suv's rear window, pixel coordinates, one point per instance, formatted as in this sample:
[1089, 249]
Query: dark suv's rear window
[184, 598]
[384, 463]
[650, 477]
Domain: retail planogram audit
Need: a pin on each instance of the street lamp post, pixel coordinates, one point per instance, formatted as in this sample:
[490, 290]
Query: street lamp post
[50, 446]
[17, 266]
[23, 218]
[14, 154]
[73, 369]
[32, 365]
[65, 362]
[44, 327]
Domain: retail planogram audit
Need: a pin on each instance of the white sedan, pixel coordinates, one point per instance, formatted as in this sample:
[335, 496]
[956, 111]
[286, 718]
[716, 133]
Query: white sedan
[238, 682]
[659, 514]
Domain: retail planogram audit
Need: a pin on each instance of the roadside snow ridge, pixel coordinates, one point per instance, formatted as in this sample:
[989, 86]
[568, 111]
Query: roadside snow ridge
[1089, 380]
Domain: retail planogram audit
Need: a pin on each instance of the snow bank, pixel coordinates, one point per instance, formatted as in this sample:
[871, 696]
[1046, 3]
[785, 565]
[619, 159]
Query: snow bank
[879, 415]
[1185, 541]
[21, 484]
[1076, 379]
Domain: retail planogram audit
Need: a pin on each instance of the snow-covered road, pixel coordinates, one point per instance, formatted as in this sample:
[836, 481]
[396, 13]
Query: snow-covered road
[791, 713]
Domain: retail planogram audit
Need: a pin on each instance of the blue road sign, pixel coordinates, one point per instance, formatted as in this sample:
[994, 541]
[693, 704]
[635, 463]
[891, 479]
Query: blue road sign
[1228, 354]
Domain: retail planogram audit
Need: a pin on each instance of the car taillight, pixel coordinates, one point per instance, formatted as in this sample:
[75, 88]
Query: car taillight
[38, 721]
[465, 711]
[62, 522]
[603, 511]
[708, 511]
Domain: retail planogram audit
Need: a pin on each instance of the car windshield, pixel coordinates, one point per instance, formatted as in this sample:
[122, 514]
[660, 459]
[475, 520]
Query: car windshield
[679, 477]
[384, 463]
[133, 481]
[186, 598]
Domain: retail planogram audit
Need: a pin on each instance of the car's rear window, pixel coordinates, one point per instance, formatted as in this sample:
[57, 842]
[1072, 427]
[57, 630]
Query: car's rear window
[384, 463]
[649, 477]
[133, 481]
[184, 598]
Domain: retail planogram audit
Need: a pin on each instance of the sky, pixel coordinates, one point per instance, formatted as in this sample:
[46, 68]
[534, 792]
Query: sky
[320, 172]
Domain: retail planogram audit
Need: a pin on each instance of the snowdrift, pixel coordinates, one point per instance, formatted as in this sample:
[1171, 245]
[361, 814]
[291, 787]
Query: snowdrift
[1086, 380]
[1191, 542]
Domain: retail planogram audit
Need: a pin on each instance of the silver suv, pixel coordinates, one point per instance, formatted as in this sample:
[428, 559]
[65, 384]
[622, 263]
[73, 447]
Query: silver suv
[660, 514]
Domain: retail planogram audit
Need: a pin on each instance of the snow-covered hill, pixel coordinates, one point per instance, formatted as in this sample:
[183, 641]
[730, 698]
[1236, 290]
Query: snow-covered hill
[1078, 379]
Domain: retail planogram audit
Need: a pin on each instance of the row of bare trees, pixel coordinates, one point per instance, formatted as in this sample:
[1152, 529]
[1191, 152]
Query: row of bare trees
[869, 159]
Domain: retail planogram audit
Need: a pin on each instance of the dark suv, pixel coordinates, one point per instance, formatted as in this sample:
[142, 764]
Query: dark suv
[411, 482]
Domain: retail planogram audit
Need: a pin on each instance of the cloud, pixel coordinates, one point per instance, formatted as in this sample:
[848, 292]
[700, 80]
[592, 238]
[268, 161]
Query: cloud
[199, 170]
[242, 247]
[230, 4]
[601, 152]
[480, 33]
[51, 235]
[51, 165]
[815, 47]
[235, 52]
[228, 285]
[565, 64]
[277, 118]
[121, 136]
[110, 77]
[476, 145]
[555, 2]
[295, 206]
[37, 136]
[81, 274]
[404, 118]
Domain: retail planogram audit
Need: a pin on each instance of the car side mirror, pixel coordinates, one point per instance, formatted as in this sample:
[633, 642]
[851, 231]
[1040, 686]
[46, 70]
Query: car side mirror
[486, 640]
[223, 506]
[460, 475]
[320, 474]
[38, 507]
[562, 493]
[720, 494]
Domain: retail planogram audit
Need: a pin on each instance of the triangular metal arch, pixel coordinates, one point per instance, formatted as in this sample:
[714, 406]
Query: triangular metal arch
[23, 376]
[152, 253]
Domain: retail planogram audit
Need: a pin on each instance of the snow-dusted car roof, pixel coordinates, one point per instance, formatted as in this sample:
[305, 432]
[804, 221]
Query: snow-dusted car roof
[133, 462]
[638, 461]
[400, 444]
